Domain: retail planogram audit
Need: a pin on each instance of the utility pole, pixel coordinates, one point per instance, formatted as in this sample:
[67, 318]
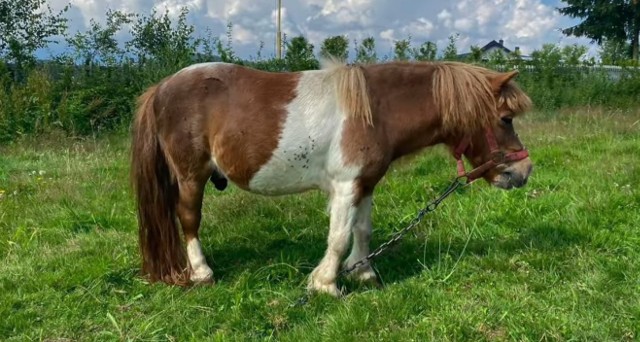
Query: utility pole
[279, 31]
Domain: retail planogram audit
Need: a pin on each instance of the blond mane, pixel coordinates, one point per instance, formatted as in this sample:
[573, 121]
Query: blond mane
[464, 96]
[351, 89]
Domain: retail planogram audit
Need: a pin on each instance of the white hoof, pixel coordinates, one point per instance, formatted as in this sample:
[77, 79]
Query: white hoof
[202, 274]
[363, 274]
[328, 287]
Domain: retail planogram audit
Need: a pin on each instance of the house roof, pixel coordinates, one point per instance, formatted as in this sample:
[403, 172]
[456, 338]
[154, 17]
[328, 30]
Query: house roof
[494, 44]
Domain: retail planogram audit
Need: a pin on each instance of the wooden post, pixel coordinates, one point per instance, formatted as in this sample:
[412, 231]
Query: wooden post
[279, 32]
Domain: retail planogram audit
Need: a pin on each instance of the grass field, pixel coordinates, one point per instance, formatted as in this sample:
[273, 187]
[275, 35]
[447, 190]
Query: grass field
[557, 260]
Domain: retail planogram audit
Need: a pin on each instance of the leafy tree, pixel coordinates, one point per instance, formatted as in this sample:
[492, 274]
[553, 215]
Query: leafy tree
[618, 20]
[25, 26]
[98, 44]
[426, 52]
[366, 51]
[514, 59]
[614, 52]
[335, 47]
[402, 49]
[476, 54]
[497, 57]
[155, 39]
[573, 54]
[226, 52]
[299, 55]
[549, 55]
[451, 51]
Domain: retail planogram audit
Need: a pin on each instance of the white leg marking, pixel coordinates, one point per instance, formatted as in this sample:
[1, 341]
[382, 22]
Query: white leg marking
[343, 216]
[200, 271]
[361, 239]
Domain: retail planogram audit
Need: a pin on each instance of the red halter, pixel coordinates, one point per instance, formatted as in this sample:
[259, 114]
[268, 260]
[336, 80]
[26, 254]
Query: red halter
[497, 156]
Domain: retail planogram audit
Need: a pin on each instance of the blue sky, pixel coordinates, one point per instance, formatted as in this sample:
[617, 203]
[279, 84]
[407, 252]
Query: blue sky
[524, 23]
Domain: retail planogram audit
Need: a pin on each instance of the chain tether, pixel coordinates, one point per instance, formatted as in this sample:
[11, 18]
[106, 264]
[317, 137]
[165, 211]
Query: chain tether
[457, 183]
[400, 234]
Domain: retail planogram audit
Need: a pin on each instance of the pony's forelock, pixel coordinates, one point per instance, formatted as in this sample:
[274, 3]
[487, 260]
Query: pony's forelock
[465, 99]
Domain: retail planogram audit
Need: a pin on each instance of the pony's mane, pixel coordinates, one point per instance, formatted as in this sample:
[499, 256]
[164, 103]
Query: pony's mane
[463, 94]
[351, 89]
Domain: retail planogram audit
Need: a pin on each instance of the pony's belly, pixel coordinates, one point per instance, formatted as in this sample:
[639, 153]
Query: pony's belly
[288, 176]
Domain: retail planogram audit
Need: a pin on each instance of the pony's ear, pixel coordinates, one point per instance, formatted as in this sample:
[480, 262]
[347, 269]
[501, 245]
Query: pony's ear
[500, 80]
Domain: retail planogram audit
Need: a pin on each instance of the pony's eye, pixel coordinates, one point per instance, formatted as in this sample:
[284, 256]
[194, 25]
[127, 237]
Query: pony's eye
[507, 120]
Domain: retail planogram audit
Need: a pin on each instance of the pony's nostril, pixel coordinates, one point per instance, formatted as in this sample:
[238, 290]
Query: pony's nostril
[508, 175]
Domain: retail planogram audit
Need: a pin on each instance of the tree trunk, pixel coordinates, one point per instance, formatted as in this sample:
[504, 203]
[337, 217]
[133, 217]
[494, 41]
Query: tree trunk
[634, 45]
[636, 30]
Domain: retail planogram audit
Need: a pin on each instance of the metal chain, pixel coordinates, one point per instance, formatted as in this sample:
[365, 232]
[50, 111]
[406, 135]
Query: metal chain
[400, 234]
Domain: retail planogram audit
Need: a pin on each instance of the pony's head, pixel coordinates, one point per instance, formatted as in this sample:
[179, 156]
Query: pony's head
[481, 126]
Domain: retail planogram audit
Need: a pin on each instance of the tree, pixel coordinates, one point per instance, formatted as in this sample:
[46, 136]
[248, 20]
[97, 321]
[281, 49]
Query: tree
[497, 58]
[617, 20]
[614, 52]
[98, 44]
[402, 49]
[476, 54]
[573, 54]
[366, 51]
[155, 39]
[335, 47]
[426, 52]
[515, 59]
[299, 55]
[451, 51]
[25, 26]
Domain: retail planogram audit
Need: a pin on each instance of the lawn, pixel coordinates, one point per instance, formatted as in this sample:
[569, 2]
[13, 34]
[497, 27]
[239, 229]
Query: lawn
[556, 260]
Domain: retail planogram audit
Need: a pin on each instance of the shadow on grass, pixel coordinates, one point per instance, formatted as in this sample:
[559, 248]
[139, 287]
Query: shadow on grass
[404, 260]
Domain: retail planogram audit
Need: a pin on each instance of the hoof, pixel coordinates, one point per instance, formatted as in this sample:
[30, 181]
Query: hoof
[317, 286]
[202, 276]
[364, 275]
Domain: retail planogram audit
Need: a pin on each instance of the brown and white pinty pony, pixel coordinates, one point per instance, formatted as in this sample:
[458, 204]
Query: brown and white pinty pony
[337, 129]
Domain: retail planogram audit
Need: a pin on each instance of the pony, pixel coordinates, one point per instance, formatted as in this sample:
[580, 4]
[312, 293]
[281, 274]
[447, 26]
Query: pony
[337, 130]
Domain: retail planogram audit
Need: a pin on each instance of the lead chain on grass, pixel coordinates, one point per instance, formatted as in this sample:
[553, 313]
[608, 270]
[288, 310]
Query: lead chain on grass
[433, 205]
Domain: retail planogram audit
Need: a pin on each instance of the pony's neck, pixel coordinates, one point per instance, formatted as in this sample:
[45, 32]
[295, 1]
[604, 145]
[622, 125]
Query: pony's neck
[405, 106]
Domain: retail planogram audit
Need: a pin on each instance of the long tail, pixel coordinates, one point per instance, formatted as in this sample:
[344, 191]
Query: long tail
[156, 191]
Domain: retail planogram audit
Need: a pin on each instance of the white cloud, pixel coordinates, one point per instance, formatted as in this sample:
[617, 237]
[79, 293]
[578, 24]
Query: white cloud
[464, 24]
[388, 35]
[524, 23]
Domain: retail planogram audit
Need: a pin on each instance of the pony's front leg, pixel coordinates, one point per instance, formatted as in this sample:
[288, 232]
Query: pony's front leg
[343, 216]
[361, 239]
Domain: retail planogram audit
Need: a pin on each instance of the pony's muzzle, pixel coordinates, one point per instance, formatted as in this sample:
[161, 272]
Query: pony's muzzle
[514, 175]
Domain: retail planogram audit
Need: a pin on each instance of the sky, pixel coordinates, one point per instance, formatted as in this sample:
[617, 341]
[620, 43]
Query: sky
[523, 23]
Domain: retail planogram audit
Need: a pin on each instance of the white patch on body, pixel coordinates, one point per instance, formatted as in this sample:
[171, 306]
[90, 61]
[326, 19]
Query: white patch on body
[200, 271]
[308, 155]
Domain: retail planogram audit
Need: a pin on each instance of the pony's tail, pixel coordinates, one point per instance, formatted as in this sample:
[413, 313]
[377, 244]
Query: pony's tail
[156, 191]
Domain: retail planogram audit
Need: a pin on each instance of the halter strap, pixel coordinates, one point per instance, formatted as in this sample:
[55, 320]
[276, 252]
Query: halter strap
[497, 156]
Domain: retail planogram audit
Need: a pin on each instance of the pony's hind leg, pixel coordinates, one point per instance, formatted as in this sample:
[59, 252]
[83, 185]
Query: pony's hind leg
[189, 212]
[361, 239]
[343, 215]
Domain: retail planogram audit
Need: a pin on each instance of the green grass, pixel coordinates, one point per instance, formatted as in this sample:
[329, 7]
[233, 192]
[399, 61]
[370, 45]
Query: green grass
[556, 260]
